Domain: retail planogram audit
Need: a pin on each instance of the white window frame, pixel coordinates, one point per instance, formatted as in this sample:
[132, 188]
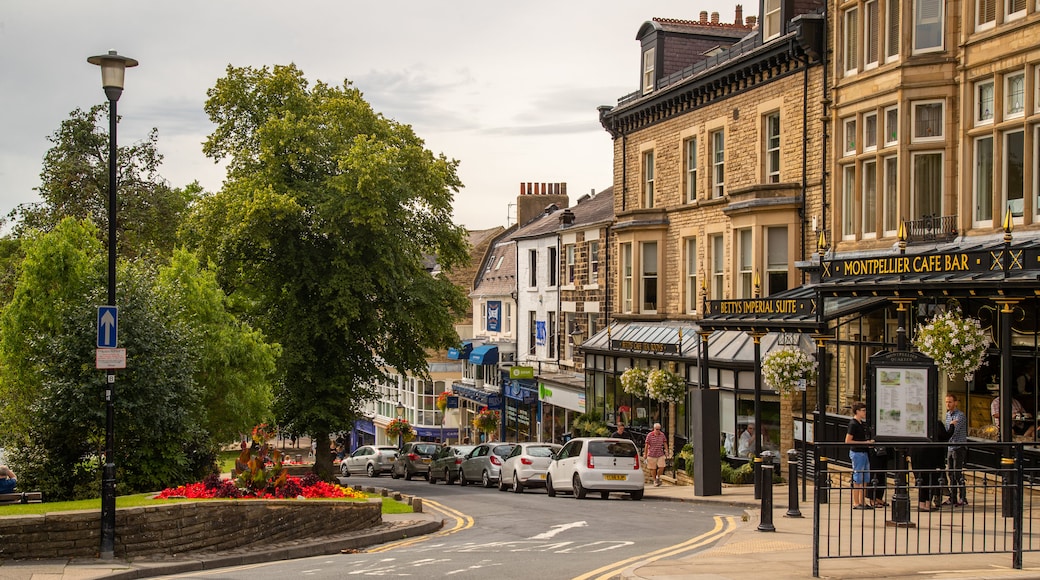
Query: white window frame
[1036, 82]
[871, 34]
[1009, 112]
[775, 268]
[648, 178]
[984, 8]
[870, 131]
[552, 267]
[507, 317]
[890, 195]
[717, 141]
[594, 262]
[718, 267]
[745, 238]
[850, 41]
[978, 179]
[892, 25]
[771, 146]
[532, 264]
[1006, 173]
[869, 197]
[771, 19]
[690, 169]
[1036, 173]
[690, 247]
[1009, 10]
[891, 113]
[848, 201]
[984, 117]
[647, 277]
[928, 13]
[570, 251]
[915, 108]
[915, 212]
[649, 64]
[625, 256]
[848, 136]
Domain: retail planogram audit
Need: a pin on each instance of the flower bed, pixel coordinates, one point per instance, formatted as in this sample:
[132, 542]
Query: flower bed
[309, 487]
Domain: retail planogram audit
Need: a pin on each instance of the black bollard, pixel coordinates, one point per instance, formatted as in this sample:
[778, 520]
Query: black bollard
[823, 481]
[901, 496]
[766, 521]
[756, 468]
[1007, 503]
[792, 484]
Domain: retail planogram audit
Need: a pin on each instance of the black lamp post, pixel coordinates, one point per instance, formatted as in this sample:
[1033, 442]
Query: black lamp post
[400, 417]
[112, 66]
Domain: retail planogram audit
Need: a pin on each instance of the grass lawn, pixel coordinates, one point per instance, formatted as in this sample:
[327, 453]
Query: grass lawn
[390, 506]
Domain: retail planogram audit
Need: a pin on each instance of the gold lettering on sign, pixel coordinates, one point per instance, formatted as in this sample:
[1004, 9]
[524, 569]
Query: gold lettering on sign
[924, 264]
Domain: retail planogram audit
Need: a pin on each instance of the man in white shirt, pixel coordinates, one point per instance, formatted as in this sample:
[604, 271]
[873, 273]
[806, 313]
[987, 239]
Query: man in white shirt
[746, 444]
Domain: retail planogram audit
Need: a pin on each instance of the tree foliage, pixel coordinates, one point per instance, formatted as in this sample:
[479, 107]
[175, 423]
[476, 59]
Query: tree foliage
[321, 229]
[74, 183]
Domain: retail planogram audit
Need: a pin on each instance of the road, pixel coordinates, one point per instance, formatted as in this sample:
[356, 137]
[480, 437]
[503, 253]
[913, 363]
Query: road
[488, 533]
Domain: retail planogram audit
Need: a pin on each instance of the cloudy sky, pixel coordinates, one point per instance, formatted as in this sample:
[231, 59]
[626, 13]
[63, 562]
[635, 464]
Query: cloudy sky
[508, 89]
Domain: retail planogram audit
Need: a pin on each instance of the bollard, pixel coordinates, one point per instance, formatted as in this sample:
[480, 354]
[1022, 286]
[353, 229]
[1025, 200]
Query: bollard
[1007, 503]
[766, 519]
[823, 481]
[756, 468]
[792, 484]
[901, 496]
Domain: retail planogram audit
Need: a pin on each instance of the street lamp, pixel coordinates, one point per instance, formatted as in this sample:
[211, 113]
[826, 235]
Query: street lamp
[112, 66]
[400, 417]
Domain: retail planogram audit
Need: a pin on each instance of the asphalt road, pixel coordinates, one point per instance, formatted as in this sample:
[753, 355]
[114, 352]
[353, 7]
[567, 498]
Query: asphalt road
[488, 533]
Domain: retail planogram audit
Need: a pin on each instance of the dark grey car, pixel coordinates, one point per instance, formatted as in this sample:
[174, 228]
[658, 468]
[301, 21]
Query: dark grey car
[414, 459]
[446, 463]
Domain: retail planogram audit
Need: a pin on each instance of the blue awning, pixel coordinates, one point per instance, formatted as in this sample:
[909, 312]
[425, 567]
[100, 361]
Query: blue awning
[462, 352]
[484, 355]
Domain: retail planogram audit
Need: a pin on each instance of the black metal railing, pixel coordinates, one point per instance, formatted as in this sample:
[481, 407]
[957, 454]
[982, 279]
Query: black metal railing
[997, 518]
[931, 228]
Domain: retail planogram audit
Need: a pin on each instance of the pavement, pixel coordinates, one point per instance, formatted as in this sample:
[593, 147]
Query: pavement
[742, 551]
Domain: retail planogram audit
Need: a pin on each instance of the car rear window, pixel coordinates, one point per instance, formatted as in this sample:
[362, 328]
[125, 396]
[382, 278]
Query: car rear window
[612, 449]
[502, 450]
[540, 451]
[426, 449]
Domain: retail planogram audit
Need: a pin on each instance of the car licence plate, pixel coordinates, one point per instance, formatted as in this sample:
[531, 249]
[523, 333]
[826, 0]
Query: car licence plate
[615, 477]
[540, 476]
[425, 460]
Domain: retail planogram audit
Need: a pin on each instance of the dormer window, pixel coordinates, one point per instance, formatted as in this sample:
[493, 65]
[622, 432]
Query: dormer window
[649, 58]
[771, 21]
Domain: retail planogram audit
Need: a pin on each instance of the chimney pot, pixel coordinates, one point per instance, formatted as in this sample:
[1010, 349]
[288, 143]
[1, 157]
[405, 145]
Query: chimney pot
[704, 16]
[751, 21]
[521, 188]
[714, 17]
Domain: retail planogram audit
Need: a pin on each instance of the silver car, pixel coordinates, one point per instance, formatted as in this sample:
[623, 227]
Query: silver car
[371, 459]
[484, 463]
[597, 464]
[525, 466]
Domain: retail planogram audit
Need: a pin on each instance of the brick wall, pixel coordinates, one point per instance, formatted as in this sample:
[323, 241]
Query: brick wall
[183, 527]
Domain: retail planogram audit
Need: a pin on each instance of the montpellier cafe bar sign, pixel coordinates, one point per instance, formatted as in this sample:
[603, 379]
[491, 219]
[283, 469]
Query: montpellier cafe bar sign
[939, 263]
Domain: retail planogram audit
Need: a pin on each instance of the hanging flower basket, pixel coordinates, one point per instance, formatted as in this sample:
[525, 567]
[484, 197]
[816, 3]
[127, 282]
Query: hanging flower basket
[956, 344]
[442, 401]
[664, 385]
[486, 421]
[633, 381]
[784, 367]
[398, 428]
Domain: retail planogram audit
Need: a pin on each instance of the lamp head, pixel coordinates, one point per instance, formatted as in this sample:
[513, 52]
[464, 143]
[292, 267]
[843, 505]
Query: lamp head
[113, 66]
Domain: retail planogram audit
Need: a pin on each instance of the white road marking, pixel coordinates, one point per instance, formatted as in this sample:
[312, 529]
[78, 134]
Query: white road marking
[557, 529]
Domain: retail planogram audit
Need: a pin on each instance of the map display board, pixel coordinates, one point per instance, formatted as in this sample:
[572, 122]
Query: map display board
[902, 395]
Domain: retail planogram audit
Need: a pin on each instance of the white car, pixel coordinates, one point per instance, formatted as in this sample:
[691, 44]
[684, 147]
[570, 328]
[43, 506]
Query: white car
[598, 464]
[370, 459]
[525, 466]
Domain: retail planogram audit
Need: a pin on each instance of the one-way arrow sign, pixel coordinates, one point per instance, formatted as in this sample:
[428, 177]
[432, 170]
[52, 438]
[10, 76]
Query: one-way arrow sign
[107, 326]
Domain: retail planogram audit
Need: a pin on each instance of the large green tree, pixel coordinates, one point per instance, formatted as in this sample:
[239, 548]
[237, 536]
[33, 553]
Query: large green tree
[74, 183]
[320, 229]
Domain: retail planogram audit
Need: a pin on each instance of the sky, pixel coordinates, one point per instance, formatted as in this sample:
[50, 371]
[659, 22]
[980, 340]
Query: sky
[510, 90]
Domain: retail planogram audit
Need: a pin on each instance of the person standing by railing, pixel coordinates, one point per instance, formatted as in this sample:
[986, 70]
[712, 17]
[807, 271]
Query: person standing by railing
[859, 432]
[957, 429]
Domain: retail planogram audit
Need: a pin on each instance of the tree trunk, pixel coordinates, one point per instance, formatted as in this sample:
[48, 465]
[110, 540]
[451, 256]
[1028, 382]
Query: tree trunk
[322, 456]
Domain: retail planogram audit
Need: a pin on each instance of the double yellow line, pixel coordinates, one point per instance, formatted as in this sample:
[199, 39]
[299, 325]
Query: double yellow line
[723, 526]
[461, 522]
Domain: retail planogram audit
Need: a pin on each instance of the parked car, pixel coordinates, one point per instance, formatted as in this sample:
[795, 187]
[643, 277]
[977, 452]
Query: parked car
[598, 464]
[484, 463]
[446, 463]
[414, 458]
[525, 466]
[370, 459]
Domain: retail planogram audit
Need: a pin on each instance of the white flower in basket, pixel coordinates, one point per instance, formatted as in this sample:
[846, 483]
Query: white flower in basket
[956, 344]
[664, 385]
[784, 367]
[633, 381]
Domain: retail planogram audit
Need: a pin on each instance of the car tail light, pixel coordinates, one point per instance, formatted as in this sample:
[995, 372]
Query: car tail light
[413, 457]
[458, 461]
[636, 462]
[526, 461]
[495, 460]
[591, 461]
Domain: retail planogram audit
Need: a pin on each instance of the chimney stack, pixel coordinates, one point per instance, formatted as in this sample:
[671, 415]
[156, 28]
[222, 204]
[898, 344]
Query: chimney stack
[739, 20]
[536, 199]
[704, 16]
[715, 18]
[751, 20]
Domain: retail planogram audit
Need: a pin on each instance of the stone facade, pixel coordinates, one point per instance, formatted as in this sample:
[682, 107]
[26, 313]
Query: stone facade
[183, 527]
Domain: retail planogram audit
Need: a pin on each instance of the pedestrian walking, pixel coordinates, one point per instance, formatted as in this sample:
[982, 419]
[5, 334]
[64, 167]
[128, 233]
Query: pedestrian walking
[656, 453]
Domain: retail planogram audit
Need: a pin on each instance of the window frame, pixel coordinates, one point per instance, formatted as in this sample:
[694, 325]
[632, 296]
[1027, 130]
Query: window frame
[892, 27]
[532, 264]
[919, 23]
[552, 267]
[1006, 174]
[717, 142]
[745, 238]
[870, 132]
[848, 201]
[570, 257]
[977, 113]
[980, 12]
[771, 21]
[648, 178]
[690, 262]
[977, 218]
[690, 169]
[593, 247]
[718, 267]
[771, 147]
[890, 196]
[848, 128]
[869, 200]
[850, 41]
[649, 68]
[625, 257]
[916, 213]
[646, 276]
[1010, 14]
[888, 116]
[1008, 79]
[915, 108]
[772, 269]
[871, 34]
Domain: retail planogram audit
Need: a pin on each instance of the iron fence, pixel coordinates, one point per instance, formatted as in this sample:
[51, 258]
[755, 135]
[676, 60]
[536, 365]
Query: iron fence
[916, 512]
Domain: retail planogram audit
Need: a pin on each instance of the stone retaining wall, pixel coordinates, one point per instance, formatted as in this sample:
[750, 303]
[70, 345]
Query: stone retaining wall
[183, 527]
